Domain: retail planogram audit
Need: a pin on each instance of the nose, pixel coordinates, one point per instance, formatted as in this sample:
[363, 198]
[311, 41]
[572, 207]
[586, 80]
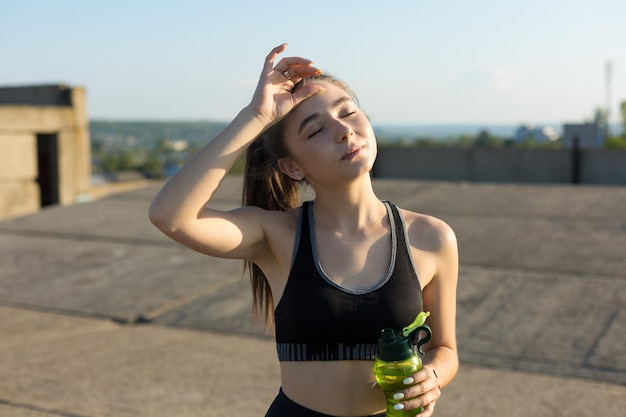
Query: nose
[344, 131]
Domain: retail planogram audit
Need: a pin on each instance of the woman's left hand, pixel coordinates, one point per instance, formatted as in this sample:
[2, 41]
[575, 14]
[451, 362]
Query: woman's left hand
[423, 390]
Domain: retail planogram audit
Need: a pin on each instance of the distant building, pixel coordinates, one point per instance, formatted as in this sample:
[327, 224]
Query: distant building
[587, 135]
[538, 134]
[45, 154]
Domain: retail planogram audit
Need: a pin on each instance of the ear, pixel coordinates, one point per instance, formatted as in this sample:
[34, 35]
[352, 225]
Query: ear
[290, 168]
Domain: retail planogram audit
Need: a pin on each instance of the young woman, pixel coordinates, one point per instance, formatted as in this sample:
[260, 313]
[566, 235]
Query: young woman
[329, 274]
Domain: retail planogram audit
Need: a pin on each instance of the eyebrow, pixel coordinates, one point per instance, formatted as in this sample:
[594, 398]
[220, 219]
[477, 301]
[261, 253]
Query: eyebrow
[314, 116]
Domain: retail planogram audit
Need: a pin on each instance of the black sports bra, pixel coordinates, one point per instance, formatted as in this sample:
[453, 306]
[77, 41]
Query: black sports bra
[317, 319]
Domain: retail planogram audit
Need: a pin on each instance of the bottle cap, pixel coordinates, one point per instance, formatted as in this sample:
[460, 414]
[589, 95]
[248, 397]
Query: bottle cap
[393, 346]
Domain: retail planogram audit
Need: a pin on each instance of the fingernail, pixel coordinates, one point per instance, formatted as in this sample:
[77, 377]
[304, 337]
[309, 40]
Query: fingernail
[398, 407]
[398, 396]
[374, 384]
[408, 381]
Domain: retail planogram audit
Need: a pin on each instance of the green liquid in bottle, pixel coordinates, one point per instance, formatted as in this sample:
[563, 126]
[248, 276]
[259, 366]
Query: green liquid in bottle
[390, 377]
[396, 359]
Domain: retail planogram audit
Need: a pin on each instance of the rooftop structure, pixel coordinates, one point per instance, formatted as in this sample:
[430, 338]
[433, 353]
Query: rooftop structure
[45, 156]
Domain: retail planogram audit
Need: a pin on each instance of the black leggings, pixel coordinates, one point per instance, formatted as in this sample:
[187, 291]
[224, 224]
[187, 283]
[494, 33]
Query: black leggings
[283, 406]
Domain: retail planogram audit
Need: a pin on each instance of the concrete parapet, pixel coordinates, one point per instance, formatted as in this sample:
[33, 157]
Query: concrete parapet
[603, 166]
[428, 164]
[519, 165]
[589, 166]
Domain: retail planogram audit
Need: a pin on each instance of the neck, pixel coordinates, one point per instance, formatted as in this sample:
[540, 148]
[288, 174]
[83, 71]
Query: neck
[348, 208]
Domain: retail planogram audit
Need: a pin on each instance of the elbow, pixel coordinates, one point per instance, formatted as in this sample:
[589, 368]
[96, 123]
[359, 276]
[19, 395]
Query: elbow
[452, 368]
[160, 218]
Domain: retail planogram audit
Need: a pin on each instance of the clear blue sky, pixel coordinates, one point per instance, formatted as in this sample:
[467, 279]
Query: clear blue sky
[480, 61]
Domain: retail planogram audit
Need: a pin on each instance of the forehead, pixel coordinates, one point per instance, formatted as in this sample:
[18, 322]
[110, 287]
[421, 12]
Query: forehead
[319, 102]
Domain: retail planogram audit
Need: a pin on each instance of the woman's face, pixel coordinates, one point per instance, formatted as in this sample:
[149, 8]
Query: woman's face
[329, 138]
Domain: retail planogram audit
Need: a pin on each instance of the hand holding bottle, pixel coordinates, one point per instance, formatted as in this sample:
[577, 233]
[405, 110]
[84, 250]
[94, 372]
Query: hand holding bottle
[400, 374]
[421, 392]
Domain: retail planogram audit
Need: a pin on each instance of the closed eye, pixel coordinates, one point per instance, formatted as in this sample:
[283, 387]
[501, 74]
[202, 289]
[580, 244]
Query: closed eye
[343, 116]
[315, 133]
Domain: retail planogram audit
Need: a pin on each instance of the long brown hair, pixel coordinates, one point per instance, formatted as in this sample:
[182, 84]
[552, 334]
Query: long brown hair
[267, 187]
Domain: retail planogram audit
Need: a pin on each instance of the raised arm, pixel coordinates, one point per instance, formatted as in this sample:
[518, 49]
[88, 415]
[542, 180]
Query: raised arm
[179, 209]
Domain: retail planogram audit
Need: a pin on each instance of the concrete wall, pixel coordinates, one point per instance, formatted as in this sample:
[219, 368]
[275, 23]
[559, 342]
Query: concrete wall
[25, 113]
[19, 192]
[603, 166]
[596, 166]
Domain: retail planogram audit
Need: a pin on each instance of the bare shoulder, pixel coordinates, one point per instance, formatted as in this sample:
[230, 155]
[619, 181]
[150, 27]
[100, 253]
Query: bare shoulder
[428, 233]
[434, 245]
[278, 229]
[264, 216]
[272, 219]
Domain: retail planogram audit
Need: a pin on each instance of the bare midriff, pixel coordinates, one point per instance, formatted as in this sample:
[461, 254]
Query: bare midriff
[339, 388]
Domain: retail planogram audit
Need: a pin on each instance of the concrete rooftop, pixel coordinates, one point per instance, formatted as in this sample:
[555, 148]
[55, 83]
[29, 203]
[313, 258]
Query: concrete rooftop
[101, 315]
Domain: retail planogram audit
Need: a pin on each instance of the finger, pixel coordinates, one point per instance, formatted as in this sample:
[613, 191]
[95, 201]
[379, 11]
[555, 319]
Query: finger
[422, 375]
[429, 410]
[292, 61]
[302, 71]
[421, 401]
[271, 57]
[306, 92]
[296, 74]
[424, 411]
[423, 387]
[430, 385]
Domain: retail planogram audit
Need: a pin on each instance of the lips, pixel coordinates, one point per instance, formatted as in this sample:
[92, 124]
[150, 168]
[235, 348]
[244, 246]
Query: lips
[352, 153]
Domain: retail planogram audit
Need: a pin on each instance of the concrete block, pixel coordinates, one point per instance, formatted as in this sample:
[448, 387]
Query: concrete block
[18, 198]
[18, 156]
[37, 119]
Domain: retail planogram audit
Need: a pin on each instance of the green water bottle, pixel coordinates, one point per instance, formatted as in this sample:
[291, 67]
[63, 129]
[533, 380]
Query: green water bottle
[396, 359]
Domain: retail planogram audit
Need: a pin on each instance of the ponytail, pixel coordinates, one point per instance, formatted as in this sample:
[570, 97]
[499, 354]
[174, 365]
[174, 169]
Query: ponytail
[267, 187]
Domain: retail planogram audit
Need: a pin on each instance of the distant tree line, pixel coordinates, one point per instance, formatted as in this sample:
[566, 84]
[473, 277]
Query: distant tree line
[483, 139]
[158, 149]
[155, 149]
[618, 142]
